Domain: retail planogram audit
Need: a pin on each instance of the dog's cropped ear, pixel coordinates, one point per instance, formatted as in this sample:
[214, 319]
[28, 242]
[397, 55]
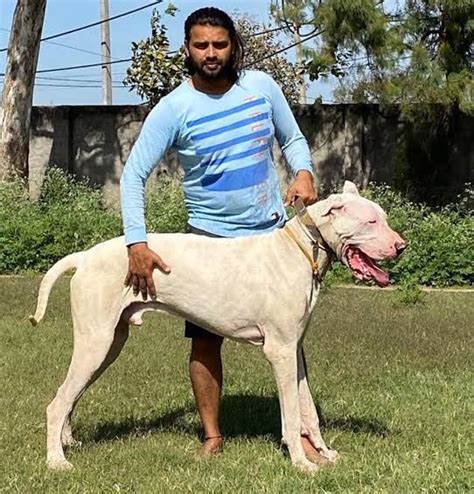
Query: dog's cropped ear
[335, 206]
[350, 188]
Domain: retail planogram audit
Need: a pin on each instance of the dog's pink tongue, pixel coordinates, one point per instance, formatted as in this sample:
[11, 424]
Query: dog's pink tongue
[364, 268]
[380, 277]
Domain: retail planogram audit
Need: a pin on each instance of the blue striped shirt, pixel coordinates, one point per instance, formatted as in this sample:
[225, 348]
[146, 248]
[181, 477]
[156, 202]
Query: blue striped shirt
[224, 145]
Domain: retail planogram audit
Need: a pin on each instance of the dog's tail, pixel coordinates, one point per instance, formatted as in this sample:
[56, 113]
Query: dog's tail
[63, 265]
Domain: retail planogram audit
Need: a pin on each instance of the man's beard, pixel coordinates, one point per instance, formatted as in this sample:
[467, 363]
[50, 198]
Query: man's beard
[222, 71]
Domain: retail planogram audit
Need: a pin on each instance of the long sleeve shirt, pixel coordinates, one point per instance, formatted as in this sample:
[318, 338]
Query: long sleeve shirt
[224, 145]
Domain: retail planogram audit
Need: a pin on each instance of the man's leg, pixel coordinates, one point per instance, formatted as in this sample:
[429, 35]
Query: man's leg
[205, 370]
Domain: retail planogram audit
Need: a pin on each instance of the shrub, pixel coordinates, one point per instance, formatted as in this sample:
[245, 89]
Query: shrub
[409, 293]
[439, 249]
[165, 208]
[71, 216]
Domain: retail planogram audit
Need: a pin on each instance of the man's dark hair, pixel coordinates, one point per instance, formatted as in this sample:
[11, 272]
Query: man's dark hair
[211, 16]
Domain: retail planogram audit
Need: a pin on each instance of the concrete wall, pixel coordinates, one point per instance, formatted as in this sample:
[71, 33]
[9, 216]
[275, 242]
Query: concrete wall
[359, 142]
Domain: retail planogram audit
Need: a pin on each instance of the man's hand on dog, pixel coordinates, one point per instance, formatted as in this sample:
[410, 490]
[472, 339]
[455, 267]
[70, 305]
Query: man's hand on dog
[302, 187]
[141, 263]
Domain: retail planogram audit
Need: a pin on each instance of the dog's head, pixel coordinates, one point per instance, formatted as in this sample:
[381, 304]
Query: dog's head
[356, 229]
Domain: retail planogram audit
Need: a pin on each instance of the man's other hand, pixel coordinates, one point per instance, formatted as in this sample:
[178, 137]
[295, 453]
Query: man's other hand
[141, 263]
[302, 187]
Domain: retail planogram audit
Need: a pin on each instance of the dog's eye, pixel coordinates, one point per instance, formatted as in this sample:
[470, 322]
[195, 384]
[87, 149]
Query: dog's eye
[372, 222]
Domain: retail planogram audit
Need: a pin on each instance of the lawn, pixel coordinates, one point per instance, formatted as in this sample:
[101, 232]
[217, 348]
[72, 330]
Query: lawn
[393, 384]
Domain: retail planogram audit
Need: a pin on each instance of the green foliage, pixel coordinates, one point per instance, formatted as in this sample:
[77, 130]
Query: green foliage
[439, 252]
[410, 293]
[257, 49]
[419, 53]
[439, 249]
[342, 29]
[72, 216]
[423, 54]
[165, 208]
[155, 71]
[69, 216]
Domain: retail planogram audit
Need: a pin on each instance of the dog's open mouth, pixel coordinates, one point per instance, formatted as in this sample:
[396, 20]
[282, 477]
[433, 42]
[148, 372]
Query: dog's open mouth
[364, 268]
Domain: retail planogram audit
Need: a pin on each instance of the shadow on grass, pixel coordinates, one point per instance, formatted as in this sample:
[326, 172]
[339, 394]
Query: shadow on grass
[370, 426]
[242, 416]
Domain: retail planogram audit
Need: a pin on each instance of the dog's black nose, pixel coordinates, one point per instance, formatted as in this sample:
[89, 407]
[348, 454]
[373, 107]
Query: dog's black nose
[400, 247]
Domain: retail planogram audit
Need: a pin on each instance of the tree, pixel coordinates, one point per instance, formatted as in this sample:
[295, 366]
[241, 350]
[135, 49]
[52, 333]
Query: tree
[422, 53]
[17, 96]
[261, 53]
[296, 16]
[155, 71]
[419, 58]
[428, 59]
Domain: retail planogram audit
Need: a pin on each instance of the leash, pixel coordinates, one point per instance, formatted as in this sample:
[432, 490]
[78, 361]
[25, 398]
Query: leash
[309, 227]
[314, 235]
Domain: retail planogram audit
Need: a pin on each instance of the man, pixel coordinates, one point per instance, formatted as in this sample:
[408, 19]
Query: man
[222, 122]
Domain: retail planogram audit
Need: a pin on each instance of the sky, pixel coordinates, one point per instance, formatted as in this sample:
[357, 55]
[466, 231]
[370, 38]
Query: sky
[83, 47]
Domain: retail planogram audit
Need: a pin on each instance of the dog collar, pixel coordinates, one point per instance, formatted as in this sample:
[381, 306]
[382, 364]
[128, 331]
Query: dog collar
[312, 232]
[311, 258]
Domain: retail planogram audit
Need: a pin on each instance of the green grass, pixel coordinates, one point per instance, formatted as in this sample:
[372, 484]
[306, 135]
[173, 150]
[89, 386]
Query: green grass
[393, 383]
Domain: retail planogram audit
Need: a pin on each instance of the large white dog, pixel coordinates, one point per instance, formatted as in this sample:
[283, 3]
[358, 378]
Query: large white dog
[258, 289]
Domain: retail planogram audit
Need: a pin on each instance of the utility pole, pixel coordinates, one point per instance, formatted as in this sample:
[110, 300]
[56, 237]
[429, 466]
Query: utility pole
[105, 45]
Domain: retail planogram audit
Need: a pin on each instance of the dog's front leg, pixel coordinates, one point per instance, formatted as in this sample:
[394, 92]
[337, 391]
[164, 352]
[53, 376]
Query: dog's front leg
[309, 414]
[283, 359]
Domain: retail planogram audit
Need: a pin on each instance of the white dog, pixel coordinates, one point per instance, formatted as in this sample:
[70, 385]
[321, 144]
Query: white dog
[259, 289]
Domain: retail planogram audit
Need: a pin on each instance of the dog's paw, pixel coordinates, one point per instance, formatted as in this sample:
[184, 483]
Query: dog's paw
[306, 466]
[331, 455]
[59, 465]
[317, 458]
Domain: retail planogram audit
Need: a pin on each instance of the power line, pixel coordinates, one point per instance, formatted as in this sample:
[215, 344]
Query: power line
[169, 53]
[78, 49]
[68, 79]
[77, 77]
[63, 45]
[307, 38]
[74, 67]
[82, 86]
[64, 33]
[267, 31]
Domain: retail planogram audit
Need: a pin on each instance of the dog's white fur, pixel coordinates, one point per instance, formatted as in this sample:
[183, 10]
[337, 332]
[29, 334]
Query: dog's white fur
[256, 289]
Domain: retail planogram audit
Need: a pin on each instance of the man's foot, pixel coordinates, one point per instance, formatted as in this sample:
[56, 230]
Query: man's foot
[212, 446]
[312, 453]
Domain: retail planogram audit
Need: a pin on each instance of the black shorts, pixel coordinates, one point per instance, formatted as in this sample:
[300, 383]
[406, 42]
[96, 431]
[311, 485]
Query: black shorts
[192, 330]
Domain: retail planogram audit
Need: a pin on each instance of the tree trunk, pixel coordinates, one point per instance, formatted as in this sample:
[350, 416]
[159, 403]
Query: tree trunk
[17, 95]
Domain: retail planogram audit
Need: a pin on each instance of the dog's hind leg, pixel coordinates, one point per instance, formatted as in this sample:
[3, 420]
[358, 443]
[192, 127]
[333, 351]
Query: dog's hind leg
[309, 414]
[283, 359]
[120, 338]
[94, 351]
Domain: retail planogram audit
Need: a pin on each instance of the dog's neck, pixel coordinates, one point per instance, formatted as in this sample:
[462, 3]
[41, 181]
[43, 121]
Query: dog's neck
[325, 257]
